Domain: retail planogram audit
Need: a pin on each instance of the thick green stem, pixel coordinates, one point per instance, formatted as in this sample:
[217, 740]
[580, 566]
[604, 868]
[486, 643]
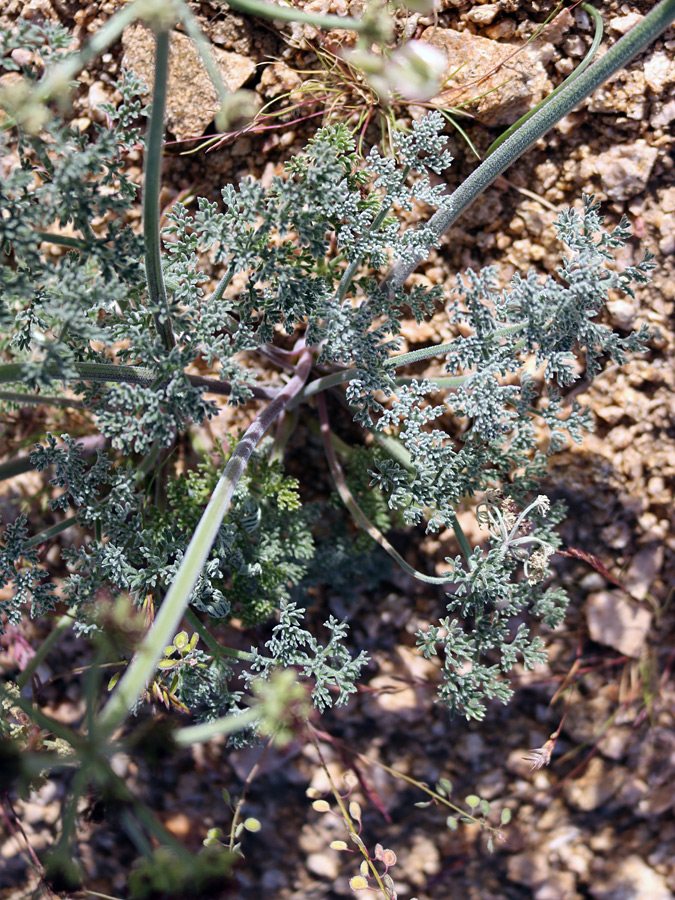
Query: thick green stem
[291, 14]
[140, 670]
[583, 65]
[111, 373]
[151, 189]
[542, 121]
[216, 649]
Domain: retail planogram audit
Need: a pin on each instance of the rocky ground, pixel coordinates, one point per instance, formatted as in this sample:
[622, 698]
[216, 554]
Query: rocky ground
[597, 823]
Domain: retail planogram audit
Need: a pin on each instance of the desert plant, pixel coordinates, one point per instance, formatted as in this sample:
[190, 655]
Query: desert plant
[120, 317]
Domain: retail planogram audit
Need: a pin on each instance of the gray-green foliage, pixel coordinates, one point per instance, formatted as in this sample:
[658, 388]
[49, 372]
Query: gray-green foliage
[304, 255]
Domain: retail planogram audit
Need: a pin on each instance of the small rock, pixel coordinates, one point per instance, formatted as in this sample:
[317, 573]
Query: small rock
[192, 101]
[509, 89]
[530, 868]
[659, 70]
[622, 24]
[595, 787]
[644, 568]
[630, 879]
[483, 15]
[615, 622]
[625, 169]
[324, 865]
[558, 886]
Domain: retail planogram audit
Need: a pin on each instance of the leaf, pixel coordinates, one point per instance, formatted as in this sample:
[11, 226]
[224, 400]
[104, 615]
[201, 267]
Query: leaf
[321, 806]
[444, 787]
[355, 810]
[252, 824]
[339, 845]
[505, 816]
[180, 641]
[473, 801]
[358, 883]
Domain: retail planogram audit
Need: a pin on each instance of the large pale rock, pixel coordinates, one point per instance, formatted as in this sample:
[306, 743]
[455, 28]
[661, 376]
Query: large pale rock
[192, 101]
[511, 82]
[615, 622]
[625, 169]
[630, 878]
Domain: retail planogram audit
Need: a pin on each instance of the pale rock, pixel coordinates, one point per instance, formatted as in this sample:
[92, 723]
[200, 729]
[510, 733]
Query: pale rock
[667, 229]
[558, 886]
[629, 878]
[192, 101]
[512, 83]
[324, 865]
[659, 70]
[98, 94]
[625, 168]
[530, 868]
[595, 787]
[623, 310]
[615, 622]
[483, 15]
[622, 24]
[278, 78]
[644, 568]
[664, 115]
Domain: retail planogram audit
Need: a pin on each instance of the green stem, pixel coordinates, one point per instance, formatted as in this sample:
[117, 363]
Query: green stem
[583, 65]
[199, 734]
[571, 95]
[62, 240]
[45, 399]
[289, 14]
[151, 650]
[151, 189]
[216, 649]
[111, 373]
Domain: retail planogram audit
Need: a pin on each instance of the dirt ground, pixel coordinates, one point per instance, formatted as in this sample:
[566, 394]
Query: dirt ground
[597, 823]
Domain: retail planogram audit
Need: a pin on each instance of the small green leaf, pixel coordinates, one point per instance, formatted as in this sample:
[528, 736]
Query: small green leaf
[451, 822]
[505, 816]
[180, 641]
[490, 845]
[252, 824]
[167, 663]
[444, 787]
[485, 807]
[473, 801]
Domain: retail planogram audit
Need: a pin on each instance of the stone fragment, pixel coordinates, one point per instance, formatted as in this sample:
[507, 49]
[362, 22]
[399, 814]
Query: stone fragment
[558, 886]
[324, 865]
[511, 82]
[192, 101]
[644, 568]
[629, 878]
[615, 622]
[483, 15]
[625, 169]
[659, 70]
[530, 868]
[595, 787]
